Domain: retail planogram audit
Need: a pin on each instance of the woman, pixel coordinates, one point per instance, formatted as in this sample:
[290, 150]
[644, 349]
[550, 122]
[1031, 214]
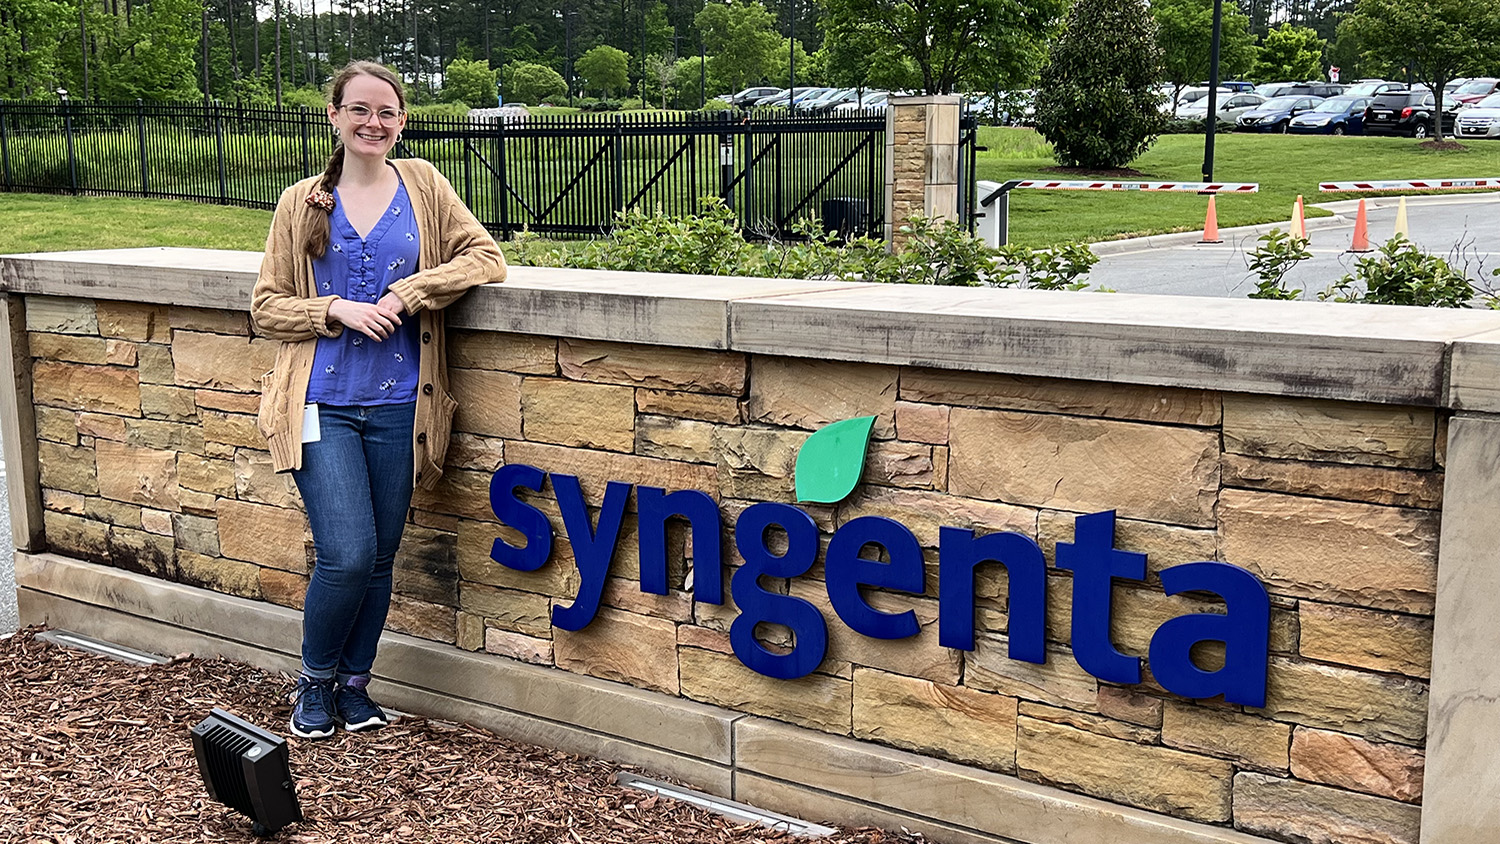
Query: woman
[358, 265]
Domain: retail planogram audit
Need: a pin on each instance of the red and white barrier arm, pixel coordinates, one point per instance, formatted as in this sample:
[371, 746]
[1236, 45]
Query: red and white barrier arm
[1190, 187]
[1412, 184]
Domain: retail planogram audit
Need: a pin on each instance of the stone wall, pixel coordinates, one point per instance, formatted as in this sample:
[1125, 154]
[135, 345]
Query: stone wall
[150, 461]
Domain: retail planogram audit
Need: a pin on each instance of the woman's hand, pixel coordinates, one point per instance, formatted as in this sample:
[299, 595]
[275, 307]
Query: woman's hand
[375, 321]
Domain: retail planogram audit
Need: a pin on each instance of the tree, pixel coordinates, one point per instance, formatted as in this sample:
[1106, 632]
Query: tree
[1184, 29]
[528, 82]
[976, 43]
[1289, 53]
[604, 70]
[1097, 104]
[1438, 40]
[469, 82]
[30, 31]
[741, 42]
[659, 72]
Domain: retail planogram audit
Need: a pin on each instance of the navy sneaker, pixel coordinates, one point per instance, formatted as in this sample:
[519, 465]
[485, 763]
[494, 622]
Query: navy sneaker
[354, 707]
[312, 715]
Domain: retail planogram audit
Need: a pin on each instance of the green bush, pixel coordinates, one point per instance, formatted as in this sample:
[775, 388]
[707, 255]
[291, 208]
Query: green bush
[458, 109]
[1401, 274]
[598, 105]
[1277, 254]
[1097, 104]
[528, 82]
[304, 98]
[1181, 126]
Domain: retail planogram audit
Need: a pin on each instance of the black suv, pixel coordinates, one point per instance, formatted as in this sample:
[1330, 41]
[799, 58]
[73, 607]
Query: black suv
[1407, 113]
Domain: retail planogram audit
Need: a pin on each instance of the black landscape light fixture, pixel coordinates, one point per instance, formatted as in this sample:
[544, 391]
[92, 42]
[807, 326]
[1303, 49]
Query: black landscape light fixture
[247, 769]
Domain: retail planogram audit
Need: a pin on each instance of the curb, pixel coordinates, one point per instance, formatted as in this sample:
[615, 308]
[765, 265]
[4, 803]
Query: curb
[1237, 234]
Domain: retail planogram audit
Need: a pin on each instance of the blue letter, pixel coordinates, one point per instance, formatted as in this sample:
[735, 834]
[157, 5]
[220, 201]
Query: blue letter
[653, 508]
[513, 512]
[1245, 630]
[758, 605]
[846, 572]
[593, 551]
[1095, 563]
[959, 552]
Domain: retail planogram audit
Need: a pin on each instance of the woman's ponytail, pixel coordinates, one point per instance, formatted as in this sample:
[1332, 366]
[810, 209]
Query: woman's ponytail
[317, 237]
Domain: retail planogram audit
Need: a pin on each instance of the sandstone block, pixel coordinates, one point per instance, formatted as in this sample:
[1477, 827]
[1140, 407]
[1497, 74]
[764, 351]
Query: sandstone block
[518, 646]
[171, 403]
[925, 512]
[1328, 431]
[1143, 471]
[626, 595]
[157, 521]
[1385, 770]
[1374, 485]
[670, 438]
[939, 720]
[141, 552]
[232, 429]
[595, 468]
[76, 536]
[270, 536]
[209, 319]
[1164, 545]
[173, 436]
[1130, 705]
[525, 353]
[426, 567]
[757, 463]
[196, 472]
[1154, 778]
[112, 512]
[574, 413]
[816, 701]
[1250, 740]
[1381, 557]
[63, 502]
[138, 475]
[228, 576]
[60, 315]
[197, 503]
[195, 534]
[623, 647]
[656, 367]
[247, 403]
[119, 353]
[1091, 723]
[508, 609]
[1379, 641]
[703, 407]
[56, 425]
[458, 493]
[892, 463]
[103, 426]
[557, 578]
[812, 393]
[108, 389]
[919, 656]
[67, 468]
[480, 454]
[423, 620]
[1055, 395]
[922, 423]
[256, 480]
[1057, 682]
[691, 636]
[488, 402]
[72, 348]
[1299, 811]
[221, 362]
[133, 321]
[1375, 706]
[470, 632]
[283, 588]
[154, 363]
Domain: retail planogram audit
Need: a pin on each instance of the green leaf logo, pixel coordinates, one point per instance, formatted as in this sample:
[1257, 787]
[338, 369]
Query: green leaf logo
[830, 462]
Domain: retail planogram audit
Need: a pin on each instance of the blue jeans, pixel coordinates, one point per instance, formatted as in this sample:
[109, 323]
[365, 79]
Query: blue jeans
[356, 482]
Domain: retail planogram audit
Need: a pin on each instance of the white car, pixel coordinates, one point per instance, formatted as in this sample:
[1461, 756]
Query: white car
[1191, 96]
[1481, 120]
[1231, 106]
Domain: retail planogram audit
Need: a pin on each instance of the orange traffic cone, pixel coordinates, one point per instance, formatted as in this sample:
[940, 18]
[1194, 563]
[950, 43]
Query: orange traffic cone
[1361, 231]
[1211, 224]
[1299, 226]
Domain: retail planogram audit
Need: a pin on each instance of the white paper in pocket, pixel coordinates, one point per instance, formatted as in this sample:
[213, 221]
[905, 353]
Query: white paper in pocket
[311, 433]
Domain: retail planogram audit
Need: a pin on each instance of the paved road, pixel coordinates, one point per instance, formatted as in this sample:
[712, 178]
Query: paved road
[1465, 228]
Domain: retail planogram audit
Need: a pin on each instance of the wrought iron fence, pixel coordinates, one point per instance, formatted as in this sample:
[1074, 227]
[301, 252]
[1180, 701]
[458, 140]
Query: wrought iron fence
[553, 175]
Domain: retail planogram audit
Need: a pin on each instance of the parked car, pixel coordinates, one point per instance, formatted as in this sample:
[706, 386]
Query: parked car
[809, 96]
[1481, 120]
[1408, 112]
[1472, 91]
[1371, 87]
[1231, 106]
[1451, 84]
[781, 99]
[1234, 85]
[750, 95]
[871, 101]
[827, 103]
[1275, 114]
[1333, 116]
[1190, 96]
[1272, 90]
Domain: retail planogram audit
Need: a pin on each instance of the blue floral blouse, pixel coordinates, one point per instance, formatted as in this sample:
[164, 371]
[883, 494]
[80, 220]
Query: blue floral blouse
[352, 369]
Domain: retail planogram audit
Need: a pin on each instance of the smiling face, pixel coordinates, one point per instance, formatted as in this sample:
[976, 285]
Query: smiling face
[372, 137]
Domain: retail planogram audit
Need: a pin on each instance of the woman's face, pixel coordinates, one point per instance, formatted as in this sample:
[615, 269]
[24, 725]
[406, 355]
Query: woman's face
[359, 120]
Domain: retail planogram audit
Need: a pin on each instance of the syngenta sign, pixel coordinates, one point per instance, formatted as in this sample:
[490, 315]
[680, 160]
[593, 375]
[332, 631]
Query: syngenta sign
[828, 467]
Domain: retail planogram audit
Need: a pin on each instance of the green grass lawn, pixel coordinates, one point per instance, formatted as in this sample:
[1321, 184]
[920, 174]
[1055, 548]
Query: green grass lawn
[1284, 165]
[47, 223]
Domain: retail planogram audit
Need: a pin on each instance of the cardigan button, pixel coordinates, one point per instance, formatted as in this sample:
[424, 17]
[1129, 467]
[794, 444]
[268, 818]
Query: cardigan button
[426, 389]
[422, 438]
[426, 337]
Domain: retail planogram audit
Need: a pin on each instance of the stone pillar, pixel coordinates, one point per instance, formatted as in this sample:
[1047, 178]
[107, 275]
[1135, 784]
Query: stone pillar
[921, 160]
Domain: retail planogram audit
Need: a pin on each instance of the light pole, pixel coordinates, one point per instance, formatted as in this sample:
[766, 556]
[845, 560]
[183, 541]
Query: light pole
[791, 53]
[1212, 115]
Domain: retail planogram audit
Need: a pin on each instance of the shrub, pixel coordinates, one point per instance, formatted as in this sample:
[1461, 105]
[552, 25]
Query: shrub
[439, 110]
[528, 82]
[1401, 274]
[1181, 126]
[305, 98]
[1277, 254]
[598, 105]
[1097, 104]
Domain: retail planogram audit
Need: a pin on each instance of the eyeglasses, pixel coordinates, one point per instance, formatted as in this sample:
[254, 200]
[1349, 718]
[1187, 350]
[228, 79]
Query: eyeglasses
[363, 113]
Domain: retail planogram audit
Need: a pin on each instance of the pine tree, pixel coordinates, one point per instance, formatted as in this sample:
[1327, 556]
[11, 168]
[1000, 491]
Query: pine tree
[1097, 103]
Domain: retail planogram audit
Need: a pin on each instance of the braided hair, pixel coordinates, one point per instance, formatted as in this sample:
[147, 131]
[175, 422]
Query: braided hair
[317, 241]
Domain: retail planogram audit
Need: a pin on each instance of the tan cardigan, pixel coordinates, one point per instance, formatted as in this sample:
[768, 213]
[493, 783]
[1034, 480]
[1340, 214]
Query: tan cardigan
[456, 254]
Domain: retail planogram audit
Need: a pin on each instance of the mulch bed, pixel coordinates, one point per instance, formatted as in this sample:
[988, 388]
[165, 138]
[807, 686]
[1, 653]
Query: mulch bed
[94, 750]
